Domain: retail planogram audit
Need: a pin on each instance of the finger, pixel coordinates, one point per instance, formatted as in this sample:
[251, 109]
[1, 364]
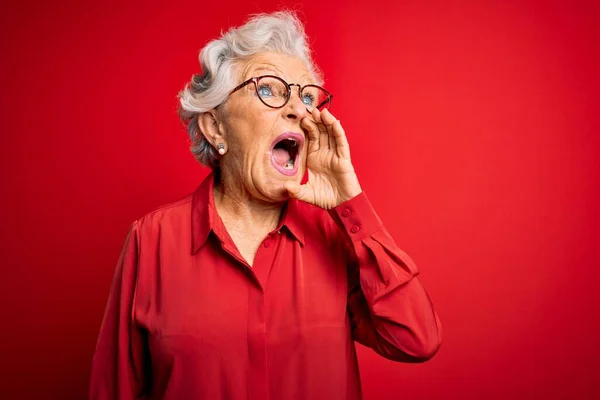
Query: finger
[316, 114]
[327, 119]
[331, 138]
[324, 137]
[313, 133]
[338, 134]
[341, 141]
[323, 134]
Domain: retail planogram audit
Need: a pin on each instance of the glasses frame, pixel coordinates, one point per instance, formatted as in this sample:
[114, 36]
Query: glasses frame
[257, 79]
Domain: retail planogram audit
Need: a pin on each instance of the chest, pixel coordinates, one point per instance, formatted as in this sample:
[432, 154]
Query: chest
[247, 242]
[247, 245]
[209, 318]
[178, 291]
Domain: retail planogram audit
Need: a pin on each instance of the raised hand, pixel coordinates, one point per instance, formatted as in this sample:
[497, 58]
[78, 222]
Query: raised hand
[331, 176]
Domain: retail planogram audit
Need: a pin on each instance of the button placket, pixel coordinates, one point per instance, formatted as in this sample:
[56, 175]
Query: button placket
[268, 239]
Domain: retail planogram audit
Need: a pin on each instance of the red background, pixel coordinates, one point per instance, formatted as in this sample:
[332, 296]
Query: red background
[474, 130]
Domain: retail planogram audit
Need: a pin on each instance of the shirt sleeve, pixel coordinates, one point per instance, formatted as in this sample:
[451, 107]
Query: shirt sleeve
[389, 309]
[118, 364]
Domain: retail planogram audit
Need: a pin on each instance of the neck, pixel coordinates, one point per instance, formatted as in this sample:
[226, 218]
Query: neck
[240, 210]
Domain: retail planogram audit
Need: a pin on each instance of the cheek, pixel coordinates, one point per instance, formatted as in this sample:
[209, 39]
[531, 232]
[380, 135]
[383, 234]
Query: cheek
[257, 138]
[250, 150]
[251, 132]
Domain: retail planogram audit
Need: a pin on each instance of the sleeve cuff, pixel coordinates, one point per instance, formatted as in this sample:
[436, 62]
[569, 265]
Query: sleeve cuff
[356, 217]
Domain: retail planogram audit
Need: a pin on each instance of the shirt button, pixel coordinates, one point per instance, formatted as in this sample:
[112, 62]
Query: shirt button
[346, 212]
[279, 231]
[355, 229]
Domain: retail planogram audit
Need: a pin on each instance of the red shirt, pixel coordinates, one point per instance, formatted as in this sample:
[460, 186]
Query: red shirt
[188, 318]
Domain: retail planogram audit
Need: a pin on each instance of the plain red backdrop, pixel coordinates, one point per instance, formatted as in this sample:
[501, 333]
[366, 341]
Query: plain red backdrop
[473, 127]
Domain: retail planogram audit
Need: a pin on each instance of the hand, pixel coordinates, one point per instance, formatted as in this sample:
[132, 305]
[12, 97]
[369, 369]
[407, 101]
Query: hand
[331, 176]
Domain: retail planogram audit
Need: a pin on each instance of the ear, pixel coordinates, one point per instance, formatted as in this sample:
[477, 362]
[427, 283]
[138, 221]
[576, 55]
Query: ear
[211, 129]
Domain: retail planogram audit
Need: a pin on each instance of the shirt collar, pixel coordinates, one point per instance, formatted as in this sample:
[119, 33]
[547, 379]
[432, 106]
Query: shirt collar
[291, 220]
[206, 219]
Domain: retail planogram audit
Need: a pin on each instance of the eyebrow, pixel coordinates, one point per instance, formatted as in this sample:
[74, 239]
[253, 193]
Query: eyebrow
[271, 68]
[276, 71]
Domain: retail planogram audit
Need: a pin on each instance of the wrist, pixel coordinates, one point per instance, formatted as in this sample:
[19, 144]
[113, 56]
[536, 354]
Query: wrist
[352, 192]
[349, 192]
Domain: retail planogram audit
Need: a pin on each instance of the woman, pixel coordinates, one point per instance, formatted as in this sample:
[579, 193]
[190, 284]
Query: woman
[256, 285]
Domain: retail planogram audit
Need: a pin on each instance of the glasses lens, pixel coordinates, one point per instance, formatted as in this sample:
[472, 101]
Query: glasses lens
[272, 91]
[315, 96]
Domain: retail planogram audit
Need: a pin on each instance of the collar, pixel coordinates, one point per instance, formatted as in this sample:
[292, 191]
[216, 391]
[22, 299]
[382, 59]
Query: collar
[206, 219]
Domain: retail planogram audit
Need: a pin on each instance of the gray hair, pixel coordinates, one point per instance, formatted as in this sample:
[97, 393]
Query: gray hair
[280, 32]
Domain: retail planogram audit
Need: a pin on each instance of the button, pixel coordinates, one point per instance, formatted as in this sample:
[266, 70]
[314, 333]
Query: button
[346, 212]
[355, 229]
[279, 231]
[267, 243]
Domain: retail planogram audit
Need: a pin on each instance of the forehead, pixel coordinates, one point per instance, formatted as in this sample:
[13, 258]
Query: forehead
[291, 69]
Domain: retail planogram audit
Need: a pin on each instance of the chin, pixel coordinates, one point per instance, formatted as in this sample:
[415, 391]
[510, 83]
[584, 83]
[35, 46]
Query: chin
[276, 194]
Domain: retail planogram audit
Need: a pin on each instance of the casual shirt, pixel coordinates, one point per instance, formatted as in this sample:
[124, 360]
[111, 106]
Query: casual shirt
[188, 318]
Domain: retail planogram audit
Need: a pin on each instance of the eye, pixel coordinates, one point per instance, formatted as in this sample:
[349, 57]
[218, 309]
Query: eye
[308, 99]
[265, 90]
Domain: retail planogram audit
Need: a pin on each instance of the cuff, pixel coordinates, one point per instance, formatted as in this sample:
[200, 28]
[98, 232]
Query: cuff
[356, 217]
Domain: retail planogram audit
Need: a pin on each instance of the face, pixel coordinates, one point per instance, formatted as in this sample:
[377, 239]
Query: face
[265, 146]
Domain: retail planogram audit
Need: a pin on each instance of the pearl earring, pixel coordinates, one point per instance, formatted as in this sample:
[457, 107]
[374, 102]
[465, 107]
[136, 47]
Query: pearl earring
[221, 148]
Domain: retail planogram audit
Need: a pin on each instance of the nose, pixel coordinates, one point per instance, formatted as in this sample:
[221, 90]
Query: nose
[295, 109]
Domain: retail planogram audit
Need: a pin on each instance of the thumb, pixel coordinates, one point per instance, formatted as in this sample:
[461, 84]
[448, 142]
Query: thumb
[297, 191]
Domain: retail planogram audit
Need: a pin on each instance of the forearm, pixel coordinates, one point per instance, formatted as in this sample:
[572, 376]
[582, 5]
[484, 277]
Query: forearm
[391, 310]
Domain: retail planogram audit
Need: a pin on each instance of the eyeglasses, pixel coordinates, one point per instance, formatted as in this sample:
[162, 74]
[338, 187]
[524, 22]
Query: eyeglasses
[274, 92]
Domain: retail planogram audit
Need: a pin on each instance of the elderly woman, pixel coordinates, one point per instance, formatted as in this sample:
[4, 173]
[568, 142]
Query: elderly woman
[257, 285]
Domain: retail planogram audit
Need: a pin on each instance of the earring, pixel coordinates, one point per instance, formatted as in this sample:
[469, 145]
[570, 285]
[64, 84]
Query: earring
[221, 148]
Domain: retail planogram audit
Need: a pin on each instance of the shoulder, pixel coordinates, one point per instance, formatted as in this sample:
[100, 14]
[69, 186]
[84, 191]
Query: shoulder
[173, 215]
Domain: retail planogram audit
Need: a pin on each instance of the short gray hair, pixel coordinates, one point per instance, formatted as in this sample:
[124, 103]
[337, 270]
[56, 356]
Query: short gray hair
[280, 32]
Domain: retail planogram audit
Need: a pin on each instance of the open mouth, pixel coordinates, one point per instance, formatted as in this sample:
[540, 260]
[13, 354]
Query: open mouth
[285, 152]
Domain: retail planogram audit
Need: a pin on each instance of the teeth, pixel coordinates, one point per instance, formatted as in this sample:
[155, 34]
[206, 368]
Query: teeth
[289, 164]
[294, 143]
